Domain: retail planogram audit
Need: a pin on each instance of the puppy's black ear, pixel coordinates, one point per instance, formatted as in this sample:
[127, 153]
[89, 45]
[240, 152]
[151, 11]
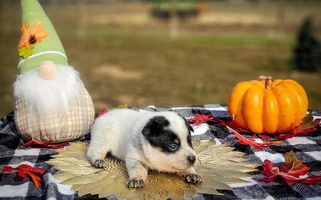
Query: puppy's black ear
[190, 128]
[154, 126]
[188, 125]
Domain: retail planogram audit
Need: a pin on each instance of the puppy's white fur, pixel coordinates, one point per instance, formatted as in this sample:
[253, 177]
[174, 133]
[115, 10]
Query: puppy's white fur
[120, 132]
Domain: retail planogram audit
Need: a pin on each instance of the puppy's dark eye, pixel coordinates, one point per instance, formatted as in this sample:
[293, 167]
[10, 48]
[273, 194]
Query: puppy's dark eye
[173, 147]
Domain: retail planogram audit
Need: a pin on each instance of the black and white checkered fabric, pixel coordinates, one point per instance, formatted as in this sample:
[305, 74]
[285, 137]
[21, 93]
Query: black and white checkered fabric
[307, 149]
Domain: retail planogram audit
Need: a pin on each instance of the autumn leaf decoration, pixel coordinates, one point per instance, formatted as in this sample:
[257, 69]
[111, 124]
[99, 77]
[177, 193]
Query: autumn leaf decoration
[36, 144]
[292, 171]
[31, 34]
[252, 141]
[25, 170]
[308, 125]
[232, 126]
[102, 112]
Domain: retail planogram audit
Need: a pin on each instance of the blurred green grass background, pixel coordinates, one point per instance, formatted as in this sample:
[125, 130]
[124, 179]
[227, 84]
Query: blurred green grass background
[124, 55]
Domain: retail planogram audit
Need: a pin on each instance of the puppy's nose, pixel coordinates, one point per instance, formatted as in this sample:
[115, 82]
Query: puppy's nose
[191, 159]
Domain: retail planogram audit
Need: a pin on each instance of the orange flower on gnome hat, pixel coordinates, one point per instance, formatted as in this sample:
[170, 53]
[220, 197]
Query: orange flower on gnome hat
[30, 35]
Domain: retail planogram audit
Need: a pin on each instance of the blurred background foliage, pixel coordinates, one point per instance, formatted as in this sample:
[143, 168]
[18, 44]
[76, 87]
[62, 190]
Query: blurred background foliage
[140, 53]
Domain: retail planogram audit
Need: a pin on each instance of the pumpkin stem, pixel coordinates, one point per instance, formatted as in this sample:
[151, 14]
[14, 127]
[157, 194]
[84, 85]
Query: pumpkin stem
[267, 80]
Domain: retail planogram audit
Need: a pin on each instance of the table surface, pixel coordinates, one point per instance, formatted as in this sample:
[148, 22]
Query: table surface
[307, 148]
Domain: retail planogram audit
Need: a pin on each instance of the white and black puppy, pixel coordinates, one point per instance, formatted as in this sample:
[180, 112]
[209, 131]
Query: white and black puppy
[144, 140]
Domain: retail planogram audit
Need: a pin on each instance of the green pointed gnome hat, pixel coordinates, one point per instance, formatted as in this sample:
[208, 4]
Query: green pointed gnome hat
[39, 41]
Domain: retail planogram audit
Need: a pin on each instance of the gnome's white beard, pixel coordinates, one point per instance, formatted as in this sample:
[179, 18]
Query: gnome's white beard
[45, 96]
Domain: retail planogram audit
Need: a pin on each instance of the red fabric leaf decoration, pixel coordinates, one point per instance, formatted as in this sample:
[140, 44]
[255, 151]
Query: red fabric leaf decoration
[202, 118]
[292, 171]
[26, 170]
[313, 179]
[270, 171]
[103, 111]
[34, 144]
[264, 137]
[251, 141]
[293, 166]
[308, 125]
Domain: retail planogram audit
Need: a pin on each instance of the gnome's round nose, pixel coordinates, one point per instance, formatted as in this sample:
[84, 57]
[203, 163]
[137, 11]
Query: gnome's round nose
[47, 70]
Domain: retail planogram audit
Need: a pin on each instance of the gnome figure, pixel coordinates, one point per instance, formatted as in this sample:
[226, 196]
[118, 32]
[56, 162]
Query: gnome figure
[51, 103]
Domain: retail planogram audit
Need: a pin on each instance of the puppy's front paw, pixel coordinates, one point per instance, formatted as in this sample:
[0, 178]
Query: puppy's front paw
[135, 183]
[100, 164]
[192, 178]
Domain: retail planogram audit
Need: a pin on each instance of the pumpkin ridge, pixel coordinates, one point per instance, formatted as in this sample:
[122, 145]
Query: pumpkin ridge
[270, 112]
[300, 114]
[252, 108]
[287, 109]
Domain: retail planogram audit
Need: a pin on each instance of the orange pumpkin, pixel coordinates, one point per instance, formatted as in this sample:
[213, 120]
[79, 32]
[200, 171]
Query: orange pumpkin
[268, 106]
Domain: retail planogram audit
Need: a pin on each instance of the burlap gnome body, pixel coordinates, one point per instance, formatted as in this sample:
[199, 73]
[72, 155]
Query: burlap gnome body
[51, 103]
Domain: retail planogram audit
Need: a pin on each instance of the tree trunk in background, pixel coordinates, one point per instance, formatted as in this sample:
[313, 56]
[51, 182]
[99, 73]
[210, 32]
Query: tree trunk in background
[82, 18]
[173, 21]
[4, 15]
[280, 16]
